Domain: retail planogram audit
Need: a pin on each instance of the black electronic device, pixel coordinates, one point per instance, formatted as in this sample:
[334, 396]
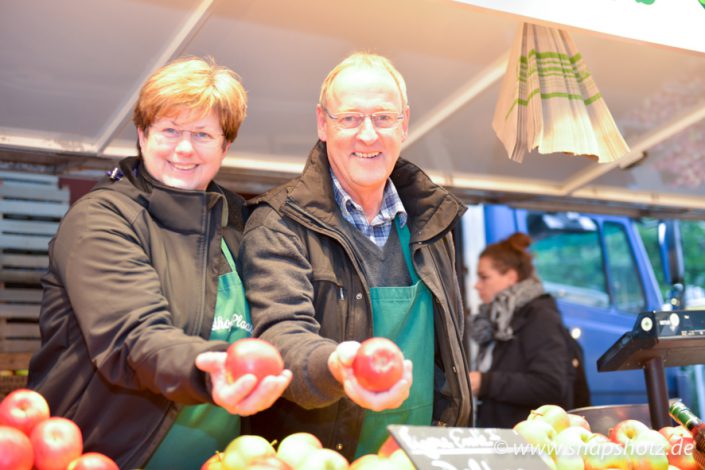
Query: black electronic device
[658, 339]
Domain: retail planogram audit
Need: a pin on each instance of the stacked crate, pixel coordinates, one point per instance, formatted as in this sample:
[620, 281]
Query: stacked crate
[31, 207]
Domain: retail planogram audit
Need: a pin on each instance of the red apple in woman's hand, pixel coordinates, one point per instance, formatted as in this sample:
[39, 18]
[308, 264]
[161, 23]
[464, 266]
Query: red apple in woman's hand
[252, 356]
[378, 364]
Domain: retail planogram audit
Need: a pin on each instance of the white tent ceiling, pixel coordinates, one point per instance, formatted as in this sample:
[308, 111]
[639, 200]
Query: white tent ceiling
[70, 70]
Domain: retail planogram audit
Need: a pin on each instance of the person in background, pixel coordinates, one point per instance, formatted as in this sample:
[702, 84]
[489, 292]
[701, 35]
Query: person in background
[359, 245]
[143, 296]
[520, 357]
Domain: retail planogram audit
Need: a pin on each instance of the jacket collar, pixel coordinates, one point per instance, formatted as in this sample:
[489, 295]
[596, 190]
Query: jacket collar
[432, 210]
[174, 208]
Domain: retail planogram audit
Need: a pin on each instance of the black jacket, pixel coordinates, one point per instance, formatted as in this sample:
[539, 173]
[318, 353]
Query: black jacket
[529, 370]
[128, 301]
[307, 293]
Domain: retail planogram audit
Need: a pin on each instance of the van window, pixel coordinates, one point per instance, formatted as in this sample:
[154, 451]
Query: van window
[568, 259]
[624, 280]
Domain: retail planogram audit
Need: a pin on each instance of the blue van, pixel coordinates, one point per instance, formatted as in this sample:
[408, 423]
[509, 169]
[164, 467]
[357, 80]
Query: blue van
[600, 272]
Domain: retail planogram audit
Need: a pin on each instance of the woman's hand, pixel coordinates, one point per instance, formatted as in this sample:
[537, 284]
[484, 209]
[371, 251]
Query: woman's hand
[340, 365]
[245, 396]
[475, 381]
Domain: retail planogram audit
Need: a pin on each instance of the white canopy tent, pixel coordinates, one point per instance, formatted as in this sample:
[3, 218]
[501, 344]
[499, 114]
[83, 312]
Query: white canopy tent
[70, 71]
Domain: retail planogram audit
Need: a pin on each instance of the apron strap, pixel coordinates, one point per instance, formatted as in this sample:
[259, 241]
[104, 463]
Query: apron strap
[228, 256]
[404, 241]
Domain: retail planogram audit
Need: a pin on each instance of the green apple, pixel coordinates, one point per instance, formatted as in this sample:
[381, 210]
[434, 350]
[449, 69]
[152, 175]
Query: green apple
[294, 448]
[242, 450]
[538, 433]
[401, 461]
[648, 451]
[553, 415]
[323, 459]
[601, 455]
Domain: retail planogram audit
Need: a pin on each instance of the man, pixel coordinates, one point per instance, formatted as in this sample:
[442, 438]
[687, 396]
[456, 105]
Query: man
[328, 263]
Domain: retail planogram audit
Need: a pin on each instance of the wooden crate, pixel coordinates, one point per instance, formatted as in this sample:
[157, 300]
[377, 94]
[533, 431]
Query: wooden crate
[9, 379]
[31, 207]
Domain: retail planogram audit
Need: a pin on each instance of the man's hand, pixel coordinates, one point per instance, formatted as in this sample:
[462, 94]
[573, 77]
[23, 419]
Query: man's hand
[340, 365]
[245, 396]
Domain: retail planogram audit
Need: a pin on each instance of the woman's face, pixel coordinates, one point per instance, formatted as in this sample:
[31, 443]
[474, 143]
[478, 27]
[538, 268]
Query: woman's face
[490, 281]
[184, 151]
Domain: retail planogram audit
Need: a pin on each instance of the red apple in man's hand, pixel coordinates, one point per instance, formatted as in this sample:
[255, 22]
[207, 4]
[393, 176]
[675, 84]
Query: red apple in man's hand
[23, 409]
[625, 431]
[15, 450]
[681, 447]
[93, 461]
[378, 364]
[56, 443]
[252, 356]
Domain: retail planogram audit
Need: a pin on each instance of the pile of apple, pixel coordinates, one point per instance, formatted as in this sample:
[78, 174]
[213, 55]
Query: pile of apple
[30, 438]
[567, 443]
[301, 451]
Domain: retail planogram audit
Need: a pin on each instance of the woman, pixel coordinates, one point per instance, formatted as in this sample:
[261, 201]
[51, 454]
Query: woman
[143, 296]
[521, 359]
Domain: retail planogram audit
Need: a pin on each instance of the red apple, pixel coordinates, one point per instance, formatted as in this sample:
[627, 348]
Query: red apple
[23, 409]
[323, 459]
[252, 356]
[93, 461]
[648, 451]
[214, 462]
[378, 364]
[387, 447]
[15, 450]
[601, 455]
[681, 447]
[577, 420]
[244, 449]
[294, 448]
[56, 442]
[553, 415]
[626, 430]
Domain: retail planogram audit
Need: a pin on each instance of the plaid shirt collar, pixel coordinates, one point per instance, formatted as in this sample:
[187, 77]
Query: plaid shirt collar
[379, 229]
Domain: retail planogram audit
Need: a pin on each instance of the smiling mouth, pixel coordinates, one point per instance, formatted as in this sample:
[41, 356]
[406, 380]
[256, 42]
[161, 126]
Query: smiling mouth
[367, 154]
[182, 167]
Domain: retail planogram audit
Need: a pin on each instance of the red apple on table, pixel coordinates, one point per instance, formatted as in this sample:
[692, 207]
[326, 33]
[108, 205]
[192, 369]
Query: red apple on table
[681, 447]
[244, 449]
[214, 462]
[601, 455]
[56, 443]
[23, 409]
[15, 450]
[323, 459]
[553, 415]
[378, 364]
[648, 451]
[625, 431]
[388, 447]
[294, 448]
[252, 356]
[93, 461]
[577, 420]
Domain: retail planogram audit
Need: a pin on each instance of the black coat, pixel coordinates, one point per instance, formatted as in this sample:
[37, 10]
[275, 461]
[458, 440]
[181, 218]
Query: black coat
[528, 371]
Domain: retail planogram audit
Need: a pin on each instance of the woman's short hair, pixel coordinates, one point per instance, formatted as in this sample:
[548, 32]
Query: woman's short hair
[197, 84]
[363, 60]
[511, 253]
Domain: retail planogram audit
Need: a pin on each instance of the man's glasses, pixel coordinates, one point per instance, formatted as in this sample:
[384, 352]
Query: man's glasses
[380, 120]
[200, 138]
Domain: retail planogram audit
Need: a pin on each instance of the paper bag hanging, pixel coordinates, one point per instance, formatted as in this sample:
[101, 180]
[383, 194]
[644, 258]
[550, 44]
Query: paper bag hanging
[548, 100]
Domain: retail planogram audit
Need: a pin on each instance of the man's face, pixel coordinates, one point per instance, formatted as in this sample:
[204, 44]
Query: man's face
[363, 158]
[184, 160]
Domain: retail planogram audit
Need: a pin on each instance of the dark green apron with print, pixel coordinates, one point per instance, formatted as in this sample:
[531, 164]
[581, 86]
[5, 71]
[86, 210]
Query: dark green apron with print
[200, 430]
[404, 315]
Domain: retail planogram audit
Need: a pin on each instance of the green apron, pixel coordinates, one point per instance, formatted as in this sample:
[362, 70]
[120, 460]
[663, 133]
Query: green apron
[200, 430]
[404, 315]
